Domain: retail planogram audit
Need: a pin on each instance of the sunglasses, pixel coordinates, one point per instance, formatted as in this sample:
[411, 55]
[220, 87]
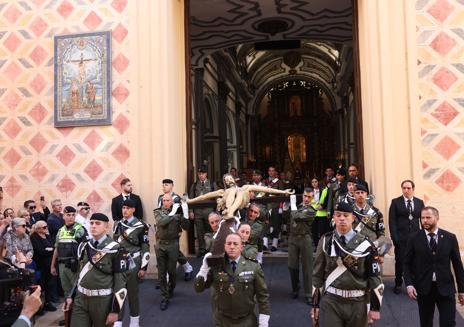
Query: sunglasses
[44, 227]
[85, 208]
[32, 207]
[22, 226]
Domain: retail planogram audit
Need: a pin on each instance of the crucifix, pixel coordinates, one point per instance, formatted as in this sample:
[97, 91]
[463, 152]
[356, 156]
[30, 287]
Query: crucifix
[228, 202]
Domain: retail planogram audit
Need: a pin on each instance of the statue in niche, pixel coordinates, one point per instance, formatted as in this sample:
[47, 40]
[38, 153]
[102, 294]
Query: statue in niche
[294, 105]
[297, 148]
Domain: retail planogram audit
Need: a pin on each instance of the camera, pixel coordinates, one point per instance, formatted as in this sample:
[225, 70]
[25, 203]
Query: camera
[14, 283]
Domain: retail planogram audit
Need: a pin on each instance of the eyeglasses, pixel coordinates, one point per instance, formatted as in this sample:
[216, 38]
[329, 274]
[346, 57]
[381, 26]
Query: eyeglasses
[85, 208]
[32, 207]
[22, 226]
[44, 227]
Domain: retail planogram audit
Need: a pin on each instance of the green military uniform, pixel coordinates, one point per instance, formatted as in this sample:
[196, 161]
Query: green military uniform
[257, 230]
[209, 241]
[275, 218]
[132, 235]
[345, 270]
[369, 222]
[300, 247]
[67, 242]
[201, 215]
[101, 285]
[169, 225]
[236, 293]
[249, 251]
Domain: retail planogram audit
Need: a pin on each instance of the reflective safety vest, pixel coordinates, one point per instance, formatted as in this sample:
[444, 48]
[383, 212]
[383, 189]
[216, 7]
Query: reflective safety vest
[67, 243]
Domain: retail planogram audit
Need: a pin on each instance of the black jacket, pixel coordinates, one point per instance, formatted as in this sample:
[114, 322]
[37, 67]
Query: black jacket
[42, 257]
[116, 207]
[420, 263]
[54, 223]
[398, 219]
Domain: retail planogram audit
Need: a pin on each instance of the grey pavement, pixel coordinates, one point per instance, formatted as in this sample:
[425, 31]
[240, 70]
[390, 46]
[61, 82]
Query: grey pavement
[192, 309]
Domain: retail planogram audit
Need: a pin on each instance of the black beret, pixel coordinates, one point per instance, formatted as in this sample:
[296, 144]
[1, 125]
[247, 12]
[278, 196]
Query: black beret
[128, 203]
[99, 216]
[352, 179]
[168, 181]
[257, 172]
[341, 171]
[69, 209]
[343, 207]
[361, 187]
[83, 204]
[203, 169]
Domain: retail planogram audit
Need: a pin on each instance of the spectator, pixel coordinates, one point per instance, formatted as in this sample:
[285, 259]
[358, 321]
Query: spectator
[32, 303]
[22, 213]
[4, 225]
[82, 217]
[31, 207]
[43, 253]
[55, 220]
[9, 212]
[353, 171]
[17, 240]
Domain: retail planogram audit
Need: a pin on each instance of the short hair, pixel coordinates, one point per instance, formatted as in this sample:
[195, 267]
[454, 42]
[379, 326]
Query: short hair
[256, 205]
[54, 202]
[27, 203]
[233, 168]
[434, 210]
[124, 181]
[244, 224]
[408, 181]
[236, 234]
[214, 213]
[307, 190]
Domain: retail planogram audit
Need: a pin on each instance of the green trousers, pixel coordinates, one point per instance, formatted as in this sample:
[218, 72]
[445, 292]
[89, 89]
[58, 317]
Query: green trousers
[90, 311]
[202, 227]
[300, 249]
[342, 312]
[132, 286]
[67, 278]
[220, 320]
[167, 253]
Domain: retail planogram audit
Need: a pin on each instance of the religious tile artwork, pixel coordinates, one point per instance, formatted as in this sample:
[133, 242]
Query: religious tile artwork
[83, 79]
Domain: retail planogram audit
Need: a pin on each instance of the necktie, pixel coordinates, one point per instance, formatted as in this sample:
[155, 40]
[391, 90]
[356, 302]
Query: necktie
[433, 243]
[233, 264]
[409, 207]
[95, 244]
[343, 240]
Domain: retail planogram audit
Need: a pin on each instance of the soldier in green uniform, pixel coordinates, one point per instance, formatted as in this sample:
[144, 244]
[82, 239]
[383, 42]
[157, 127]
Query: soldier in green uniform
[300, 243]
[100, 290]
[257, 230]
[67, 241]
[249, 251]
[369, 221]
[214, 219]
[202, 186]
[346, 267]
[132, 234]
[237, 288]
[170, 219]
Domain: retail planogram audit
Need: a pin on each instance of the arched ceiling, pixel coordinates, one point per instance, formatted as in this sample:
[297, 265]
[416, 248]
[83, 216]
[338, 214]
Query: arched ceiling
[217, 24]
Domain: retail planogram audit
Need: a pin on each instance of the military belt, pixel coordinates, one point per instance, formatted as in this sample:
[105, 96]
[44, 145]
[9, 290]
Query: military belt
[100, 292]
[345, 293]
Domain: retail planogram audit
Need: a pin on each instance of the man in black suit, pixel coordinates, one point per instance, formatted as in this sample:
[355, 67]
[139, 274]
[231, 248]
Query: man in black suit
[403, 220]
[353, 172]
[427, 272]
[126, 194]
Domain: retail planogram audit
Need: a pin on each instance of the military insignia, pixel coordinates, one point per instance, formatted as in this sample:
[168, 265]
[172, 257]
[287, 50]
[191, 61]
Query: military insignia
[125, 234]
[350, 261]
[231, 289]
[96, 257]
[381, 289]
[122, 296]
[366, 219]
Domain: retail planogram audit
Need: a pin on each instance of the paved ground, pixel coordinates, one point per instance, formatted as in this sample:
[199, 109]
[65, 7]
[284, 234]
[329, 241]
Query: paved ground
[188, 308]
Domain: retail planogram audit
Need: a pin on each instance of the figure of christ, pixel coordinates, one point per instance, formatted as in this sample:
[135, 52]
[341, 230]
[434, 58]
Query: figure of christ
[230, 200]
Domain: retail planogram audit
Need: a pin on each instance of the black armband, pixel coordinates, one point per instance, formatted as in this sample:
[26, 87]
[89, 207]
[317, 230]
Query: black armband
[143, 237]
[121, 261]
[376, 297]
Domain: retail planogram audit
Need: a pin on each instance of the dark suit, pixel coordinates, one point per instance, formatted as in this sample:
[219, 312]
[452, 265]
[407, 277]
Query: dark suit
[116, 206]
[401, 227]
[419, 265]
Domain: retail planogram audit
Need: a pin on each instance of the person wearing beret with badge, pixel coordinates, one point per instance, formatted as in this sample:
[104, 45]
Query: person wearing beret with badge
[346, 273]
[98, 295]
[238, 287]
[132, 234]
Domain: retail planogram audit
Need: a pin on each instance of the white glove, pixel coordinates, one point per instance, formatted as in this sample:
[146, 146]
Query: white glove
[259, 258]
[280, 211]
[204, 269]
[293, 202]
[263, 320]
[175, 207]
[185, 210]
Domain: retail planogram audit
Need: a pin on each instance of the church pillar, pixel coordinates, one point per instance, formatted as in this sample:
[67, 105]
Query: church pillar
[223, 92]
[238, 141]
[199, 115]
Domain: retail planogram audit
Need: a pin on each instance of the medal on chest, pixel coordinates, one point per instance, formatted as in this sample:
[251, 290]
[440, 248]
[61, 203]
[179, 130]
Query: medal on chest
[410, 217]
[231, 289]
[97, 256]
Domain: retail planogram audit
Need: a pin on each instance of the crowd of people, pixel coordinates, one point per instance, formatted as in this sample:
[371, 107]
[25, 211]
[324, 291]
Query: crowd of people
[334, 234]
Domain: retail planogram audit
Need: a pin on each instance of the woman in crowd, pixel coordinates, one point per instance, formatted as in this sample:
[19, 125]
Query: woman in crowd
[23, 213]
[43, 253]
[17, 240]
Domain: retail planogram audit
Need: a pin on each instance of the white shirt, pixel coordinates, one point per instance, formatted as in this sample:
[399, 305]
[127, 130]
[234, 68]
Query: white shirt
[317, 194]
[406, 202]
[84, 222]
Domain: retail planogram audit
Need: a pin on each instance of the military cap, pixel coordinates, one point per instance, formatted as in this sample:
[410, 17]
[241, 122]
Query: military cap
[69, 209]
[257, 172]
[343, 207]
[352, 179]
[361, 187]
[99, 216]
[128, 203]
[83, 204]
[168, 181]
[203, 169]
[341, 171]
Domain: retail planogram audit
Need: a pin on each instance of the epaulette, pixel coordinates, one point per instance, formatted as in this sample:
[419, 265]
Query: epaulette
[250, 259]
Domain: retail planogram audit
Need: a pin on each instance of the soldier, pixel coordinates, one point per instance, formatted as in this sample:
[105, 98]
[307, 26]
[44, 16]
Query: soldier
[335, 190]
[168, 185]
[369, 222]
[67, 241]
[214, 219]
[132, 234]
[202, 186]
[249, 251]
[345, 269]
[100, 290]
[169, 224]
[257, 230]
[300, 243]
[237, 288]
[273, 208]
[348, 197]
